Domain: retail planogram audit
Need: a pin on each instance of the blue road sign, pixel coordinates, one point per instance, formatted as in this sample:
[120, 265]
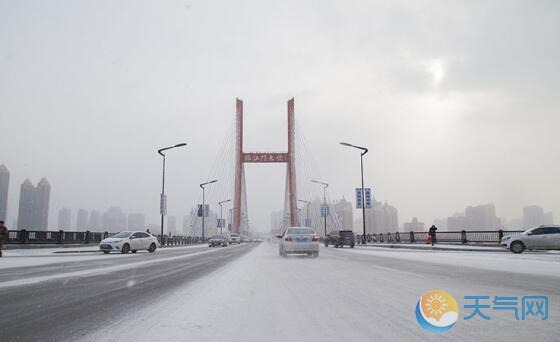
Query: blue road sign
[324, 210]
[368, 198]
[359, 198]
[206, 210]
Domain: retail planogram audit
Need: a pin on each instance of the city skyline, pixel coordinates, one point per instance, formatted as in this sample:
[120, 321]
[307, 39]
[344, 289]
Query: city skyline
[83, 222]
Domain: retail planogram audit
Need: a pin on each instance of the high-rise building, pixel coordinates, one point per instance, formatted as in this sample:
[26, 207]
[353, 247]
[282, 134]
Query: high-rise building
[4, 187]
[171, 225]
[95, 222]
[41, 204]
[344, 212]
[482, 217]
[533, 216]
[114, 220]
[33, 211]
[380, 218]
[458, 222]
[136, 221]
[64, 219]
[414, 225]
[25, 209]
[82, 220]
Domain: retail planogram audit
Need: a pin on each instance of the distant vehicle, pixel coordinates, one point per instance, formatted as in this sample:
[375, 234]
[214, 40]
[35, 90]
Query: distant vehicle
[217, 240]
[340, 238]
[234, 238]
[129, 241]
[542, 237]
[299, 240]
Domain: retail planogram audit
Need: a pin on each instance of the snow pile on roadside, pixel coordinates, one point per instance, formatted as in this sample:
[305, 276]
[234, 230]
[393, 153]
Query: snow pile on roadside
[547, 264]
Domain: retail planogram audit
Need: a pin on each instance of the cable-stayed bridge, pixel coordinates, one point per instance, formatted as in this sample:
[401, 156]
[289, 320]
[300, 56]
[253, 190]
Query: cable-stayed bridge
[229, 169]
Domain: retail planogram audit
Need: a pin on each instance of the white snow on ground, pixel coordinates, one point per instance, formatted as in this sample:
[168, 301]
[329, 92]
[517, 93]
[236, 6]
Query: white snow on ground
[451, 247]
[263, 297]
[102, 270]
[547, 264]
[38, 257]
[442, 246]
[23, 252]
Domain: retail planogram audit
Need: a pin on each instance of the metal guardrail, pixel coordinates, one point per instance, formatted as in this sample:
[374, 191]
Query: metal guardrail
[454, 237]
[53, 237]
[61, 237]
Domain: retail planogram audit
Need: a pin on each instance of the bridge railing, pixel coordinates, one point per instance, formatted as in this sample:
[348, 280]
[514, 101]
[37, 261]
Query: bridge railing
[54, 237]
[453, 237]
[61, 237]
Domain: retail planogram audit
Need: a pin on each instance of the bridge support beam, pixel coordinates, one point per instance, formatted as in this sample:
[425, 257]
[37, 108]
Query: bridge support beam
[273, 157]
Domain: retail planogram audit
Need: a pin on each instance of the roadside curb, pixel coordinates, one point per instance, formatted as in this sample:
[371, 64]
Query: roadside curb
[40, 246]
[438, 248]
[74, 251]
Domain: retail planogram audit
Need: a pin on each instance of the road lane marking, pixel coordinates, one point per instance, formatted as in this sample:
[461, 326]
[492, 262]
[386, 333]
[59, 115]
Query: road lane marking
[110, 269]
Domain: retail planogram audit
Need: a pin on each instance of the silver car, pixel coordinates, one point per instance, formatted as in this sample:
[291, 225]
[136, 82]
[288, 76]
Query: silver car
[299, 240]
[129, 241]
[543, 237]
[234, 238]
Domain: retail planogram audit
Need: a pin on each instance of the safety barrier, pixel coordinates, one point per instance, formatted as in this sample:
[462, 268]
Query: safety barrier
[454, 237]
[61, 237]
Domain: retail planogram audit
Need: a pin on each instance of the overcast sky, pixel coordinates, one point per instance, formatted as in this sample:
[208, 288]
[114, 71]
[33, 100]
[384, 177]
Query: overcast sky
[457, 101]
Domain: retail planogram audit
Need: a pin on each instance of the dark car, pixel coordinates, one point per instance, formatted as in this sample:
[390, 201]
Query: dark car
[217, 240]
[339, 238]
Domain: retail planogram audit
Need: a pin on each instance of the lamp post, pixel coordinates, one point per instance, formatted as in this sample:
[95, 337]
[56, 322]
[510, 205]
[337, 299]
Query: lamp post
[163, 201]
[221, 222]
[307, 203]
[325, 186]
[364, 151]
[203, 202]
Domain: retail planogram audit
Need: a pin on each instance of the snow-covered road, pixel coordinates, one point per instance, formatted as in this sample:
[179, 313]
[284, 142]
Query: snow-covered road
[363, 294]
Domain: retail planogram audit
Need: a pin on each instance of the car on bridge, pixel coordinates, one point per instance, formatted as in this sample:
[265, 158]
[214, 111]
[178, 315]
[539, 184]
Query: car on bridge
[340, 238]
[299, 240]
[234, 238]
[218, 240]
[542, 237]
[129, 241]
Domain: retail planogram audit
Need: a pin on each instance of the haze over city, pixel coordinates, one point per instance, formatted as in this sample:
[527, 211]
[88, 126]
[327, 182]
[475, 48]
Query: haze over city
[447, 97]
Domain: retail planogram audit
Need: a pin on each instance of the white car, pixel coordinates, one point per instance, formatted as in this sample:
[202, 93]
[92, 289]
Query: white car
[543, 237]
[234, 238]
[128, 241]
[299, 240]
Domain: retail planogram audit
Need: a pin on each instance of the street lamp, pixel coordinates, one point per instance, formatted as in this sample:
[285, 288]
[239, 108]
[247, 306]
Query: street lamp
[221, 223]
[307, 204]
[326, 185]
[162, 200]
[203, 202]
[364, 151]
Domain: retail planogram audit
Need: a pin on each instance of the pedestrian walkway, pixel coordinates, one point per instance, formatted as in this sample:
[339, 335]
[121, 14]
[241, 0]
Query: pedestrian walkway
[443, 247]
